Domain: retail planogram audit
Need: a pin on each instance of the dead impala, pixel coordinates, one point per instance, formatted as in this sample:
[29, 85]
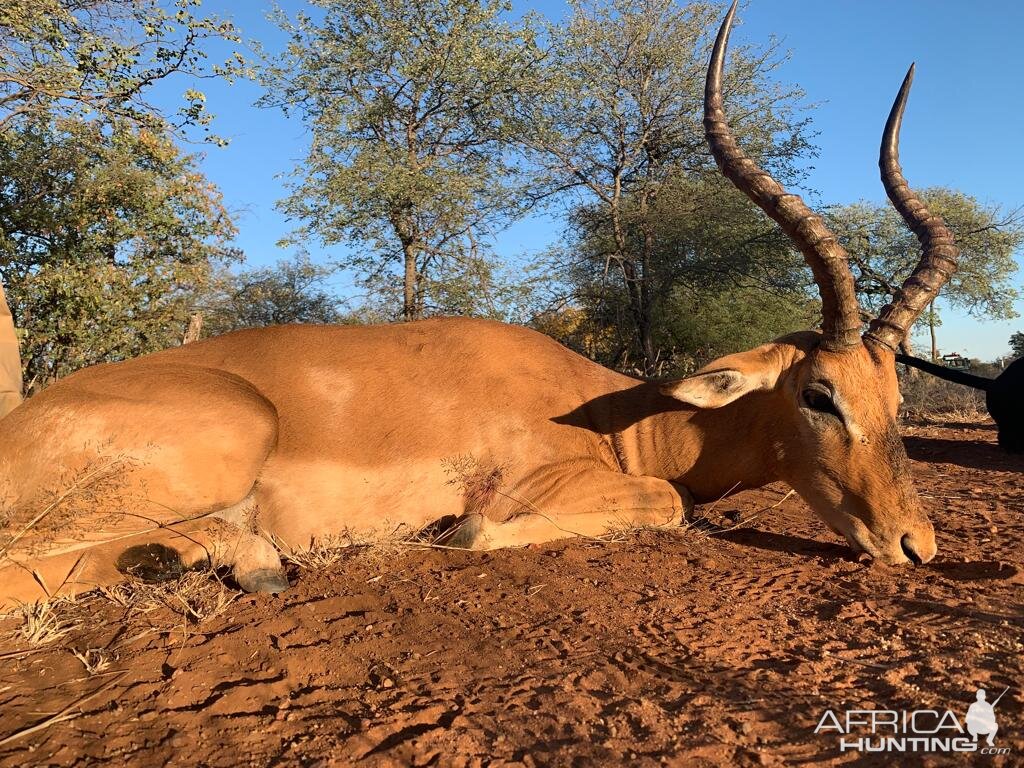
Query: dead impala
[299, 433]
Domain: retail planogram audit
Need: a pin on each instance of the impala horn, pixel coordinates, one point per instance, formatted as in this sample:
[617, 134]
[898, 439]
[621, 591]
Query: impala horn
[939, 253]
[841, 324]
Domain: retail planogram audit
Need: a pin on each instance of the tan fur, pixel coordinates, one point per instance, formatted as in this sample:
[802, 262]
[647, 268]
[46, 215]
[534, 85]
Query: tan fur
[301, 433]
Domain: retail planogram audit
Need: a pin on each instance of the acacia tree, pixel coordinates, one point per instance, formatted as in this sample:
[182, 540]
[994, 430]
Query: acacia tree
[721, 278]
[883, 251]
[95, 61]
[100, 59]
[1017, 344]
[403, 99]
[105, 235]
[293, 291]
[618, 115]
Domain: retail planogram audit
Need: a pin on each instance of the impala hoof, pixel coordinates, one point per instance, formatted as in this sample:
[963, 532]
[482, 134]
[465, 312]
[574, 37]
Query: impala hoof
[464, 532]
[263, 580]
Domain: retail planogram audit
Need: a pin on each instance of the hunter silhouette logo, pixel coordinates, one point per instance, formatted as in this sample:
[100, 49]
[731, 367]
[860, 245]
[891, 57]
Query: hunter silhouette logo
[981, 717]
[920, 730]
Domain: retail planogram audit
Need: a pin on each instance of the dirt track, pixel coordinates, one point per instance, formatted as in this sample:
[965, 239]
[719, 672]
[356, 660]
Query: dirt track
[674, 647]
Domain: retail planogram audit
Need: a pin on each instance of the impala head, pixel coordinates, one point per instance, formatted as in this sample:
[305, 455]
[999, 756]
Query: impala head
[833, 395]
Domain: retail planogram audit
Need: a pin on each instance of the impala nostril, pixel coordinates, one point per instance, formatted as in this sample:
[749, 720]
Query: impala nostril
[908, 550]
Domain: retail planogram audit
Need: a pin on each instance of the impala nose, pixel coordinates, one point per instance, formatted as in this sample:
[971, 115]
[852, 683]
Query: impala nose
[908, 550]
[918, 549]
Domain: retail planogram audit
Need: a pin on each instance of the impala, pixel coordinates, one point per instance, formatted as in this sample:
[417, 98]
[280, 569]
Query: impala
[292, 434]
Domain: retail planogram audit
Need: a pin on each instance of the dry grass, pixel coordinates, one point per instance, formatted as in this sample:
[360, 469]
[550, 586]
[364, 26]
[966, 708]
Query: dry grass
[625, 530]
[742, 522]
[75, 495]
[926, 398]
[122, 595]
[196, 596]
[323, 553]
[45, 621]
[94, 660]
[330, 550]
[965, 416]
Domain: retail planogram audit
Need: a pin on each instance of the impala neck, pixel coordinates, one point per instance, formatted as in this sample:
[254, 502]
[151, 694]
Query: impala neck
[712, 452]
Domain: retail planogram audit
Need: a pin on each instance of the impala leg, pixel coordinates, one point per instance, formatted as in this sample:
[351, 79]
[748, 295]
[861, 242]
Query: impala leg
[156, 555]
[591, 504]
[255, 562]
[226, 538]
[158, 514]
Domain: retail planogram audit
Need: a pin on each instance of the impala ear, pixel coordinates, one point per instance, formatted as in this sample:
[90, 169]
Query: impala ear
[712, 389]
[728, 378]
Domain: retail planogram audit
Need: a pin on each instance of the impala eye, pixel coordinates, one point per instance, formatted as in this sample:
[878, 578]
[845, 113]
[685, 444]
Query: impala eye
[818, 398]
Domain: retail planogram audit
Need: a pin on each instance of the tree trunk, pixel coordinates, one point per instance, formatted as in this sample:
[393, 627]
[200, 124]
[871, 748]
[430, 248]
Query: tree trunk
[641, 323]
[410, 310]
[647, 342]
[646, 301]
[931, 329]
[407, 234]
[194, 330]
[10, 360]
[907, 348]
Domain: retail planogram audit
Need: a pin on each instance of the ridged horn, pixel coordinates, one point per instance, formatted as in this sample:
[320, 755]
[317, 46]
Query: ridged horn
[841, 325]
[939, 253]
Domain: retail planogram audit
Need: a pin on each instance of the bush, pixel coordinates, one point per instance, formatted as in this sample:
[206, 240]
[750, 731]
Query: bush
[927, 397]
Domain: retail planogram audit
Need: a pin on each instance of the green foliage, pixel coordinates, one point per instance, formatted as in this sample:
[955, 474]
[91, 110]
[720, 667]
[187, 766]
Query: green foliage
[104, 234]
[292, 292]
[1017, 344]
[105, 227]
[404, 100]
[99, 58]
[721, 278]
[883, 252]
[621, 97]
[616, 122]
[705, 324]
[475, 285]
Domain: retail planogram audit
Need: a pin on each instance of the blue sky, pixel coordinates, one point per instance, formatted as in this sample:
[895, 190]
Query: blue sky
[961, 128]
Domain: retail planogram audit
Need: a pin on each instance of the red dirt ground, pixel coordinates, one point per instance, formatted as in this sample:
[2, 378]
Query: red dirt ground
[664, 648]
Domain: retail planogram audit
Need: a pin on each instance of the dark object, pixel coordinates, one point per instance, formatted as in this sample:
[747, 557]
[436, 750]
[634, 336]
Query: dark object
[151, 562]
[1003, 396]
